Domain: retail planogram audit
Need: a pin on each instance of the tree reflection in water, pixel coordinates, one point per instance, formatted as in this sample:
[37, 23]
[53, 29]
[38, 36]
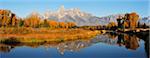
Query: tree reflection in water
[129, 41]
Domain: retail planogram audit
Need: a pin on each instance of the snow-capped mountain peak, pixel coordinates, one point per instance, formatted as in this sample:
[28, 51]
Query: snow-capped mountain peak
[79, 17]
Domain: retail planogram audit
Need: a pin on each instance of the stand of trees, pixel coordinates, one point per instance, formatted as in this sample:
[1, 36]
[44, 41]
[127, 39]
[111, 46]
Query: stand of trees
[139, 25]
[9, 19]
[109, 26]
[130, 20]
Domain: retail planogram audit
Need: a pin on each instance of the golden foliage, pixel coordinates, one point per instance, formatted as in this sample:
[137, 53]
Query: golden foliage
[111, 24]
[133, 18]
[33, 20]
[71, 24]
[53, 24]
[126, 24]
[62, 24]
[8, 19]
[14, 21]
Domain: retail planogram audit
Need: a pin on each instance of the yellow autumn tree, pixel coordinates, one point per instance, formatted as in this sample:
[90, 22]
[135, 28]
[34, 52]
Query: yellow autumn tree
[53, 24]
[4, 18]
[45, 23]
[131, 20]
[14, 21]
[33, 20]
[71, 24]
[4, 21]
[62, 24]
[7, 18]
[134, 17]
[111, 24]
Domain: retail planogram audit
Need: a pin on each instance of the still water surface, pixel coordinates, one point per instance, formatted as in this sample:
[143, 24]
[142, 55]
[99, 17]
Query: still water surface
[105, 46]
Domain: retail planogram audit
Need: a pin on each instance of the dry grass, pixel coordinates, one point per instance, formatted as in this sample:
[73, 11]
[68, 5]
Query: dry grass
[45, 34]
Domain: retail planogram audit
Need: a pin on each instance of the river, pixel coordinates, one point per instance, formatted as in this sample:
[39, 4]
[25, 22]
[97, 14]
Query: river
[104, 45]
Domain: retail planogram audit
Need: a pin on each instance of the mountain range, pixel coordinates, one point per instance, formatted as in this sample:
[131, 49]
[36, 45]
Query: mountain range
[79, 17]
[82, 18]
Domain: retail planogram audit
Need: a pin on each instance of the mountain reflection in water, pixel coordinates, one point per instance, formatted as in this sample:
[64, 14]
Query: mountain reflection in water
[130, 42]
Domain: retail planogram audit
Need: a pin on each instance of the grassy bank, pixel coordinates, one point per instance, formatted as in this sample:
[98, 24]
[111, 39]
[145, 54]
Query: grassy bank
[45, 34]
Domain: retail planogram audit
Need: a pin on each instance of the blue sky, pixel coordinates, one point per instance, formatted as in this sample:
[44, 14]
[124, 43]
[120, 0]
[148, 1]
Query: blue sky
[96, 7]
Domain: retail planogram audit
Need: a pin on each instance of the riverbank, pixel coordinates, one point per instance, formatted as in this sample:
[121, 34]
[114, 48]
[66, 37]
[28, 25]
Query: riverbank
[45, 34]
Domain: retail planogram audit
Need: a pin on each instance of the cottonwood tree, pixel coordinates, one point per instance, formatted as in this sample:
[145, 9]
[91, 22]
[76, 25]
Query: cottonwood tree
[134, 17]
[53, 24]
[62, 24]
[71, 24]
[33, 20]
[111, 25]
